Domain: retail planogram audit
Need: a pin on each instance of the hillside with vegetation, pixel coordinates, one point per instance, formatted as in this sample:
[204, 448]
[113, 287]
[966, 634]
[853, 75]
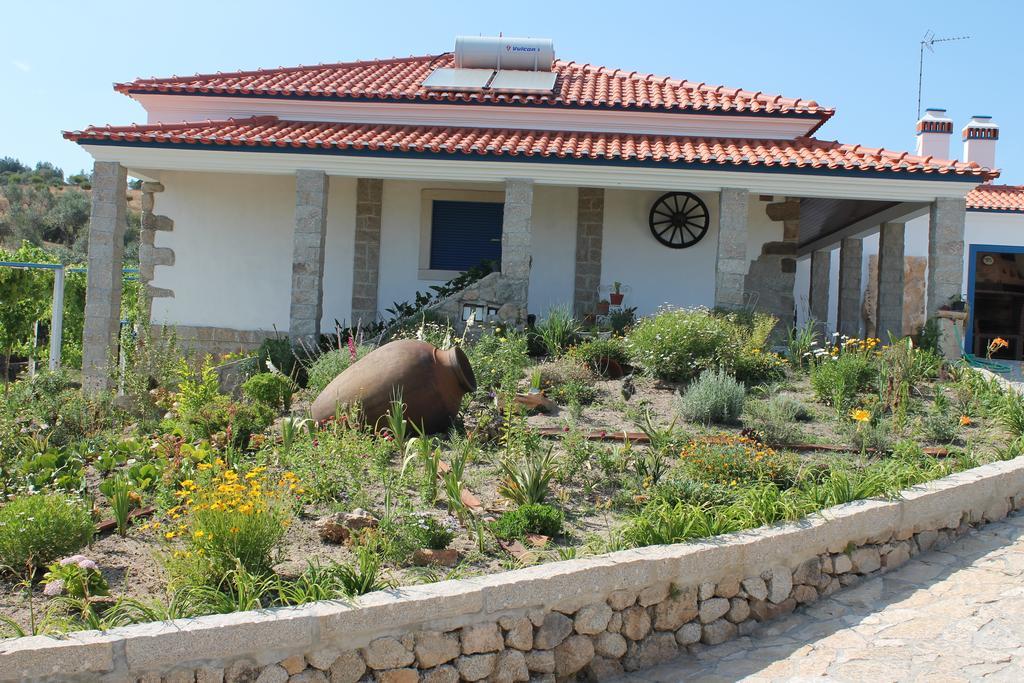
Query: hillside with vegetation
[42, 207]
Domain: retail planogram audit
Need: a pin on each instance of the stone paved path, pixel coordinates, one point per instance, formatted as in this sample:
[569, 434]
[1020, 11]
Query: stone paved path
[955, 614]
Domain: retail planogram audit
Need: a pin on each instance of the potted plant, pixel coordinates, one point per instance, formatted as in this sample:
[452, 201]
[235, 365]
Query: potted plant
[616, 295]
[602, 307]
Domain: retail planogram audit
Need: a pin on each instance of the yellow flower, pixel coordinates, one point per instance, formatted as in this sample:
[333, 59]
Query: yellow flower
[204, 466]
[860, 415]
[169, 535]
[199, 534]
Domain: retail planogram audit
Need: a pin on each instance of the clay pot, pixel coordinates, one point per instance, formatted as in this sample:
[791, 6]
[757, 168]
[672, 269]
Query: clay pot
[616, 298]
[432, 383]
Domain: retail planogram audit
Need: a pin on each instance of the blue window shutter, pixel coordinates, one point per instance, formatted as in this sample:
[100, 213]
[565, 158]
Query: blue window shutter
[463, 234]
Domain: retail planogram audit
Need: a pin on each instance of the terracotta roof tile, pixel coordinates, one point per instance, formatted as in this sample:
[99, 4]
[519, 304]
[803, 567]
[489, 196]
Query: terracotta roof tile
[270, 132]
[986, 197]
[581, 85]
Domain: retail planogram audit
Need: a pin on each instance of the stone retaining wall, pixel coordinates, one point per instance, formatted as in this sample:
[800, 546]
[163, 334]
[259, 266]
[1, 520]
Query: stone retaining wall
[592, 618]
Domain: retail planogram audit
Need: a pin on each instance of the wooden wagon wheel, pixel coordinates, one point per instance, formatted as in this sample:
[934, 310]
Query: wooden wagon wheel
[679, 219]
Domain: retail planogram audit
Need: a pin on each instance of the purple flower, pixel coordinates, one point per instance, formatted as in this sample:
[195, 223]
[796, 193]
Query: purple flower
[86, 563]
[54, 588]
[74, 559]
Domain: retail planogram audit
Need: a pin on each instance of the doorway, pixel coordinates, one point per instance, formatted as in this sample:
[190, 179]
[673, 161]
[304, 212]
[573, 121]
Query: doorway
[995, 295]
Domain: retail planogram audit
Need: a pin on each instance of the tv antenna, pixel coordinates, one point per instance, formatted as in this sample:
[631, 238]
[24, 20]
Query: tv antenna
[928, 41]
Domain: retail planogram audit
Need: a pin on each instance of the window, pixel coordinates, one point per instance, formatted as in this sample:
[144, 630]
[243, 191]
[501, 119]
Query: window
[464, 233]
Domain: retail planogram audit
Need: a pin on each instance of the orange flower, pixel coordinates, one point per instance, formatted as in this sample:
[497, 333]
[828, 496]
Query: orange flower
[964, 420]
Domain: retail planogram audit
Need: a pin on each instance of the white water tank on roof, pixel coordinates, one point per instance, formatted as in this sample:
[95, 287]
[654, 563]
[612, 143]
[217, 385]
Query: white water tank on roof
[498, 52]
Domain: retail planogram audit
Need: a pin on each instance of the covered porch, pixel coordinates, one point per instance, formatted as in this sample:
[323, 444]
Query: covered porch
[239, 241]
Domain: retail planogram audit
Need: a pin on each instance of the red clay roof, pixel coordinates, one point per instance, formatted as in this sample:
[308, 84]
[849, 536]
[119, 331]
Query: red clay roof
[579, 85]
[996, 198]
[270, 132]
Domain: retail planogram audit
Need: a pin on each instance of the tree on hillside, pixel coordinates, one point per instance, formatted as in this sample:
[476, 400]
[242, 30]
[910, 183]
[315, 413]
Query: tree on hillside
[67, 218]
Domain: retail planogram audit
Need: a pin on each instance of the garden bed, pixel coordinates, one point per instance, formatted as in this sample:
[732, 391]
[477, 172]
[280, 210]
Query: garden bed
[253, 506]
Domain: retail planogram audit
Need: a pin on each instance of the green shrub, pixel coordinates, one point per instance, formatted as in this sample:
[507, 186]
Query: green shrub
[246, 419]
[595, 353]
[499, 359]
[40, 528]
[715, 397]
[558, 331]
[77, 577]
[426, 531]
[775, 419]
[567, 381]
[230, 520]
[874, 435]
[331, 364]
[837, 381]
[733, 461]
[533, 518]
[754, 366]
[271, 389]
[278, 352]
[677, 344]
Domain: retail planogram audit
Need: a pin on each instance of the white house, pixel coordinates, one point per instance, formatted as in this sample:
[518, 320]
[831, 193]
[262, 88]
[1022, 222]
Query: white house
[290, 198]
[993, 251]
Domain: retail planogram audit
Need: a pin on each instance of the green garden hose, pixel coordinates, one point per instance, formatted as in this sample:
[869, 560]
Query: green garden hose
[974, 361]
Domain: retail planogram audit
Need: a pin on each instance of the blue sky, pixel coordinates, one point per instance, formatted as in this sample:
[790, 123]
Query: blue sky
[59, 59]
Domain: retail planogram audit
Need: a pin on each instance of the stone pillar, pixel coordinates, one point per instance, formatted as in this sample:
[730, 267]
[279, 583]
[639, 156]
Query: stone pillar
[366, 266]
[308, 256]
[589, 238]
[107, 224]
[516, 231]
[890, 281]
[945, 253]
[732, 264]
[851, 256]
[821, 278]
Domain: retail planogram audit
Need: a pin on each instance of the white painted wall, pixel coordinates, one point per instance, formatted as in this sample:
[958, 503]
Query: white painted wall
[656, 274]
[553, 274]
[341, 226]
[232, 242]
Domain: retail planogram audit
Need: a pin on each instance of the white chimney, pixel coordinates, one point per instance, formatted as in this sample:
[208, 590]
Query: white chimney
[980, 137]
[934, 131]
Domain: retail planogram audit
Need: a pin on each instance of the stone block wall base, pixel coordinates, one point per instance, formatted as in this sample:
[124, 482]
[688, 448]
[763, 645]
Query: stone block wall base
[771, 279]
[215, 341]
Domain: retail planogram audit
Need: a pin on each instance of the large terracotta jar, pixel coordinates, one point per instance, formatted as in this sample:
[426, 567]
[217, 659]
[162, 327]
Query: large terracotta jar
[432, 383]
